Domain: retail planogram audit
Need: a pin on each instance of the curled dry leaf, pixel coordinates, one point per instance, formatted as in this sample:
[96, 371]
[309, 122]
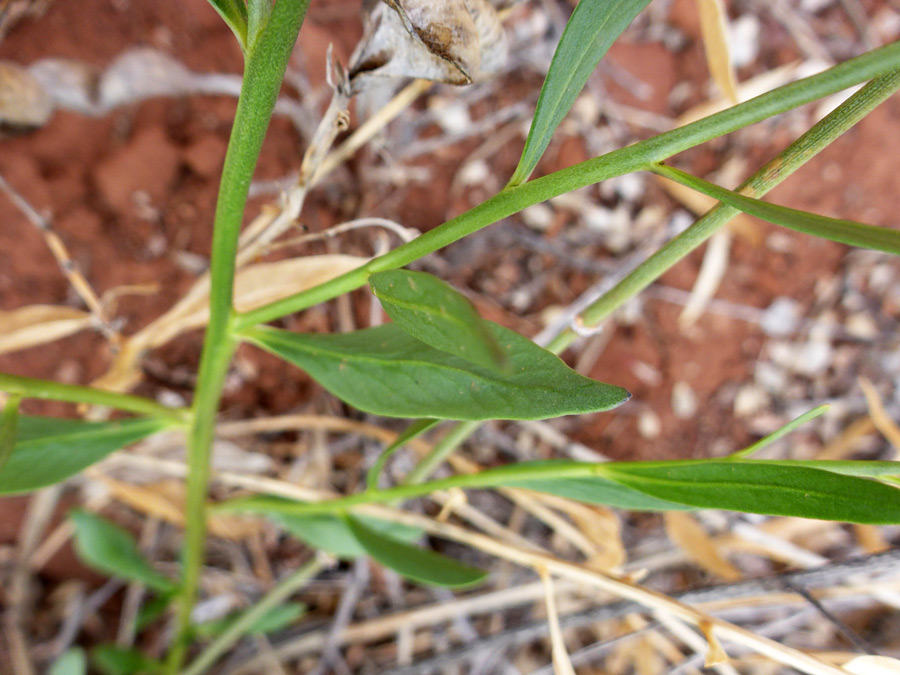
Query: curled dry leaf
[685, 531]
[39, 324]
[453, 41]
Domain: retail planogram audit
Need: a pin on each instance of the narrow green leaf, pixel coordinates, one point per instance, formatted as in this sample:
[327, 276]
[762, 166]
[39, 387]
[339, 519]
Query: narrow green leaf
[234, 13]
[332, 534]
[590, 32]
[412, 562]
[861, 468]
[72, 662]
[415, 429]
[258, 16]
[437, 314]
[111, 550]
[762, 487]
[9, 428]
[112, 659]
[386, 371]
[842, 231]
[49, 450]
[274, 620]
[598, 490]
[783, 431]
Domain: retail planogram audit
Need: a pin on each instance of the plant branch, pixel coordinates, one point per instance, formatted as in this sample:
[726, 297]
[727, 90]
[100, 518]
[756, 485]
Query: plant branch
[774, 172]
[28, 387]
[625, 160]
[765, 179]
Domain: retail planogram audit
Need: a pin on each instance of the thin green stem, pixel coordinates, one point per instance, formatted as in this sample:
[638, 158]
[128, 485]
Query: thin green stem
[276, 596]
[504, 475]
[414, 430]
[625, 160]
[28, 387]
[441, 450]
[266, 62]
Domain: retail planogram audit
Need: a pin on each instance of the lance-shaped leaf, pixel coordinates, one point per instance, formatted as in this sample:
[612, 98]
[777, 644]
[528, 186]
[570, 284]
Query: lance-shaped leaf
[111, 550]
[435, 313]
[763, 487]
[598, 490]
[842, 231]
[386, 371]
[234, 13]
[412, 562]
[49, 450]
[9, 428]
[332, 534]
[590, 32]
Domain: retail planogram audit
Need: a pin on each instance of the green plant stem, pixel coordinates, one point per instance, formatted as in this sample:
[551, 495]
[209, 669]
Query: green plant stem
[523, 473]
[765, 179]
[441, 450]
[792, 158]
[511, 473]
[265, 65]
[276, 596]
[414, 430]
[625, 160]
[28, 387]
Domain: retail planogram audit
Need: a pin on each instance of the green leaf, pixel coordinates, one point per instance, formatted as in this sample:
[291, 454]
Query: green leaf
[412, 562]
[862, 468]
[590, 32]
[598, 490]
[259, 13]
[783, 431]
[115, 660]
[276, 619]
[49, 450]
[234, 12]
[762, 487]
[385, 371]
[72, 662]
[9, 428]
[333, 535]
[842, 231]
[111, 550]
[437, 314]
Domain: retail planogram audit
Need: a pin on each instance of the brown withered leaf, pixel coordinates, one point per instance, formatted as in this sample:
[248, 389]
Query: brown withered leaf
[453, 41]
[38, 324]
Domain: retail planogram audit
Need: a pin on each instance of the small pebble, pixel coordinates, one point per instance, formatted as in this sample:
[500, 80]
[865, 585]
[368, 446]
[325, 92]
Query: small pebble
[684, 400]
[749, 400]
[649, 425]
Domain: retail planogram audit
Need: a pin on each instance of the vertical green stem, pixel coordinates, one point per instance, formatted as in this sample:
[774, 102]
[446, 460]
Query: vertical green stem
[265, 65]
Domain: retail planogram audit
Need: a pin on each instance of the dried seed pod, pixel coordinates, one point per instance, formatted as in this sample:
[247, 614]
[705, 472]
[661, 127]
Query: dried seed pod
[23, 100]
[453, 41]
